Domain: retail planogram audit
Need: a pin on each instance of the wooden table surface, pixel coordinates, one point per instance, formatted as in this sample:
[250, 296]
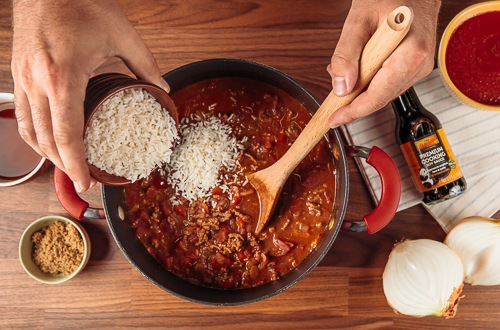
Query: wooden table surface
[344, 291]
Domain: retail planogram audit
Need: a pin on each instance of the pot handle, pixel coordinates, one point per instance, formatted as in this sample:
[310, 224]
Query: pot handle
[391, 190]
[71, 201]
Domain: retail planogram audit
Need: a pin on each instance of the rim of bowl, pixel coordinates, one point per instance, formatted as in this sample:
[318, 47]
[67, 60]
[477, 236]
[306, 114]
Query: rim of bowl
[8, 98]
[97, 98]
[462, 16]
[25, 253]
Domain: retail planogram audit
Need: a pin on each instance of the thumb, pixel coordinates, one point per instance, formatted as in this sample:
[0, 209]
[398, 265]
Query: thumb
[138, 58]
[345, 60]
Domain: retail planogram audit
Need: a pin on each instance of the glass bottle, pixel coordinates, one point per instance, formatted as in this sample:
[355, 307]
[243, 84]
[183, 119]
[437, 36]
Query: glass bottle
[426, 149]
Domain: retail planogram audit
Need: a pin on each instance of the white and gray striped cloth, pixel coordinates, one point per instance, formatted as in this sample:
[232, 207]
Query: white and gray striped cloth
[474, 136]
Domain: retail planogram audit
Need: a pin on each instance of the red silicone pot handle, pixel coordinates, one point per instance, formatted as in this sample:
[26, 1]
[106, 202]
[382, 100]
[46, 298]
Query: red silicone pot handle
[70, 200]
[391, 187]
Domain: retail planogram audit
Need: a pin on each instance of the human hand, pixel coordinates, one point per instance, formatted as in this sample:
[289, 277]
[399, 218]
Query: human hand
[412, 60]
[56, 47]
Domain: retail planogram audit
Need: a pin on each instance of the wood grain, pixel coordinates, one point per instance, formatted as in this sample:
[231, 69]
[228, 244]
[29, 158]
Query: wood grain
[344, 291]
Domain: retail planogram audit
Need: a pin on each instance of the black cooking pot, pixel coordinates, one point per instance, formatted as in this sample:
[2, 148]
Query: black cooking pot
[115, 209]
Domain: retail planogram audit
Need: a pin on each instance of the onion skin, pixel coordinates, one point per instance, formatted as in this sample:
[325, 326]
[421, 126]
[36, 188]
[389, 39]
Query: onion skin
[423, 277]
[477, 242]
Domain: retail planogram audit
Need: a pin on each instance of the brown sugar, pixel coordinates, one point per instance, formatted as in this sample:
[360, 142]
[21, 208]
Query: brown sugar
[57, 248]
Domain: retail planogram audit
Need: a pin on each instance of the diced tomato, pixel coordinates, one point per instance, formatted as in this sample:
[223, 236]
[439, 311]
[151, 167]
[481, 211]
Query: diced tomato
[228, 285]
[199, 268]
[143, 214]
[167, 261]
[143, 231]
[217, 191]
[237, 196]
[151, 192]
[214, 264]
[221, 235]
[240, 255]
[224, 226]
[193, 237]
[191, 257]
[248, 252]
[236, 200]
[159, 182]
[222, 260]
[183, 263]
[165, 207]
[281, 138]
[282, 247]
[180, 210]
[181, 244]
[241, 227]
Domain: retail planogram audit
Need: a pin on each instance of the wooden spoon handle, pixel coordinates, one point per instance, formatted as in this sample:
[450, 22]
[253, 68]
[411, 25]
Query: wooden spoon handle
[383, 42]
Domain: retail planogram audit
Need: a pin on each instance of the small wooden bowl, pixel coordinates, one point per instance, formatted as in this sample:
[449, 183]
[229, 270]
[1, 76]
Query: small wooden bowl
[26, 247]
[464, 15]
[102, 87]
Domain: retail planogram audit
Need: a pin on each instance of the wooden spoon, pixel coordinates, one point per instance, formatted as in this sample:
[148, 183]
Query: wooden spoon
[269, 182]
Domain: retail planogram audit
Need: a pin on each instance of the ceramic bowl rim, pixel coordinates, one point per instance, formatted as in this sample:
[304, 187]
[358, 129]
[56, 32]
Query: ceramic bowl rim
[25, 253]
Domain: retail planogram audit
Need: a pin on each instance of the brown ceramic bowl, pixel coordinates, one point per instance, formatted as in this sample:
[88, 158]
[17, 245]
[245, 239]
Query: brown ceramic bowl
[102, 87]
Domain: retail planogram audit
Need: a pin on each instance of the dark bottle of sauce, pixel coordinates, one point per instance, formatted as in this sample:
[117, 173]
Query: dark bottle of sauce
[426, 149]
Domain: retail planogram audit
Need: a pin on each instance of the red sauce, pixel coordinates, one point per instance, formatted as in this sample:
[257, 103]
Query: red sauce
[211, 241]
[16, 157]
[473, 58]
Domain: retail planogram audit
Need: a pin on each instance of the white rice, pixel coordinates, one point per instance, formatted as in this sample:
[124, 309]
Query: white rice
[205, 147]
[130, 134]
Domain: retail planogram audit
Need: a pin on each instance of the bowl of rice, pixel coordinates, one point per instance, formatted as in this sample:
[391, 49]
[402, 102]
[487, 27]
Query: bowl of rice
[130, 128]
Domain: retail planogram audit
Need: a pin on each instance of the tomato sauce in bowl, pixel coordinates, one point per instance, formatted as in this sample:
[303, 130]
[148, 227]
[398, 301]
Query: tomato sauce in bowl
[473, 58]
[211, 241]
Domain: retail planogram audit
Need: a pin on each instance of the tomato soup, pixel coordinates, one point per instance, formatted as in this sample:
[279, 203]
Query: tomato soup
[473, 58]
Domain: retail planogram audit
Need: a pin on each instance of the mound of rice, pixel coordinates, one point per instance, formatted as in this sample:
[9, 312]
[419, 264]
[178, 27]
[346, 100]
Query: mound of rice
[130, 134]
[205, 147]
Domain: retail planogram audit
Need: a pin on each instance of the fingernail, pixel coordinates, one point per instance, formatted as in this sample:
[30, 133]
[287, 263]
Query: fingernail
[164, 85]
[93, 182]
[339, 86]
[77, 187]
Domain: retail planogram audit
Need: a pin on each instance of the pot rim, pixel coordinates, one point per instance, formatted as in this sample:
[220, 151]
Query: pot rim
[113, 195]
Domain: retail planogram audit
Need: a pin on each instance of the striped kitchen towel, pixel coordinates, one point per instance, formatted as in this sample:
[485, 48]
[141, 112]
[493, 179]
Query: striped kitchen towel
[474, 136]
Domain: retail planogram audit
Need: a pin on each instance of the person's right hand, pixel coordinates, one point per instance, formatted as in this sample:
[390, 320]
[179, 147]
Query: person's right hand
[57, 45]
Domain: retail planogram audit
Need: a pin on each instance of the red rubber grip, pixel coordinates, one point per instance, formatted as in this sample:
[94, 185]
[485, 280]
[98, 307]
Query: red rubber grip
[391, 190]
[66, 193]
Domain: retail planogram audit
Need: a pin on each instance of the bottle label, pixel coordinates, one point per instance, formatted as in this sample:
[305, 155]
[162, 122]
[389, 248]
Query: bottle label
[431, 161]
